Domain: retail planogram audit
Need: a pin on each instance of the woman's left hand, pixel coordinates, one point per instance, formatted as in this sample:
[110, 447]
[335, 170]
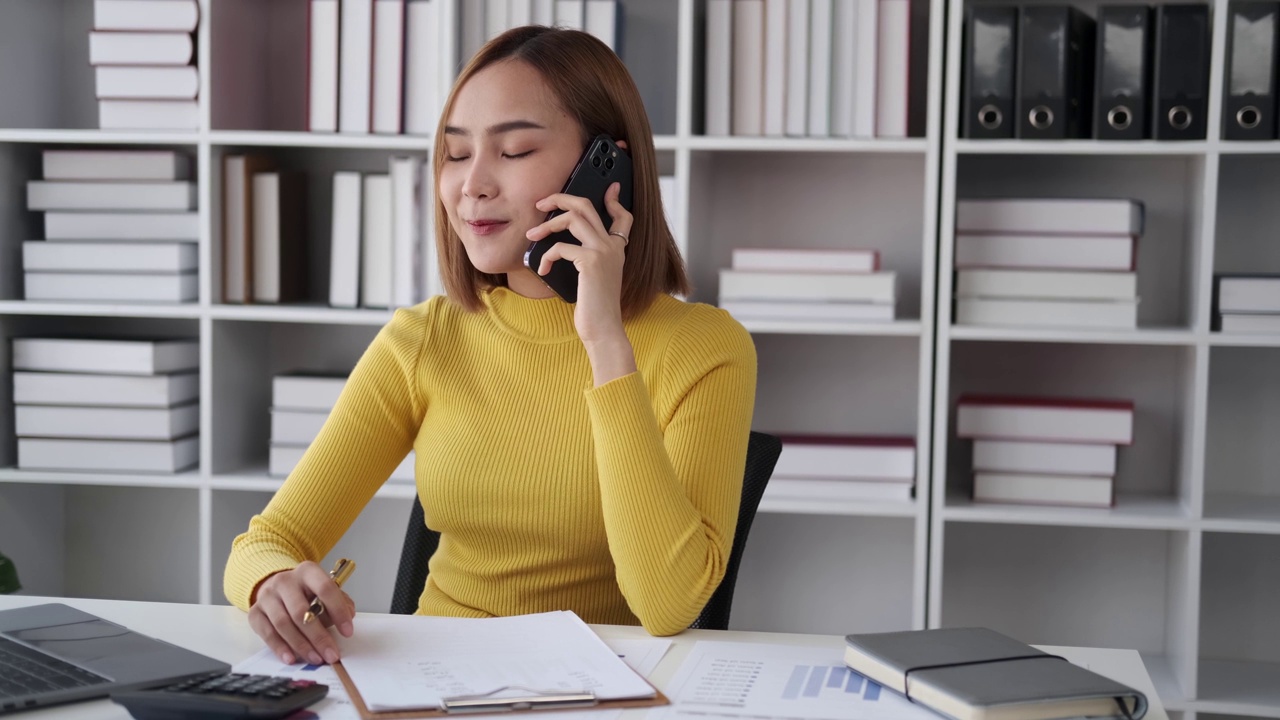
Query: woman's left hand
[599, 260]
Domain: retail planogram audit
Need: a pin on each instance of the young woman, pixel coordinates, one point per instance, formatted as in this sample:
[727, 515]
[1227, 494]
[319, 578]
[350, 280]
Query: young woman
[583, 457]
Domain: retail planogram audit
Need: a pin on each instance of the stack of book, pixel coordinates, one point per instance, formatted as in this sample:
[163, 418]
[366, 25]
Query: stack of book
[844, 467]
[143, 54]
[300, 404]
[1044, 451]
[816, 68]
[808, 285]
[1047, 262]
[1247, 303]
[483, 20]
[106, 405]
[120, 226]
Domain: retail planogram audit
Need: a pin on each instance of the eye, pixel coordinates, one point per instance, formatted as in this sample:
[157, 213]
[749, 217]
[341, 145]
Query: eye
[450, 158]
[517, 156]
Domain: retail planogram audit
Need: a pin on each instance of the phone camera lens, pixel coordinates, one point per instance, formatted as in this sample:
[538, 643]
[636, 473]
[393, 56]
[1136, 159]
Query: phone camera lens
[595, 161]
[609, 164]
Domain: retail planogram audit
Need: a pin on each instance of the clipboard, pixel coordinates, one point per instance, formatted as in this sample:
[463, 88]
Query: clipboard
[484, 705]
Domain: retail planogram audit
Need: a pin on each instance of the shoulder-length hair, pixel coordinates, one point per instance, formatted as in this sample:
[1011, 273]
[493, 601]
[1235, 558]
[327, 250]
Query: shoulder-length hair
[592, 85]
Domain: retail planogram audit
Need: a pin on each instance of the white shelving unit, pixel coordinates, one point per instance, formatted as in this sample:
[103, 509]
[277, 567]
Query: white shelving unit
[1179, 567]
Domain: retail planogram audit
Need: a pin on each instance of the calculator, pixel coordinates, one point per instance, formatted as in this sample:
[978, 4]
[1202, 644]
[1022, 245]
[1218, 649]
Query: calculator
[223, 695]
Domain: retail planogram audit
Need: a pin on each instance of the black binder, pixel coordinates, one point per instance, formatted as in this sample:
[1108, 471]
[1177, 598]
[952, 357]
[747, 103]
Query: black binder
[1181, 82]
[1249, 106]
[1055, 72]
[1122, 105]
[990, 38]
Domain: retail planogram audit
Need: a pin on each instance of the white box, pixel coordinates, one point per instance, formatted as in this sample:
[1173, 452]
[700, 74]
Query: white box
[1044, 419]
[125, 357]
[151, 456]
[99, 423]
[44, 388]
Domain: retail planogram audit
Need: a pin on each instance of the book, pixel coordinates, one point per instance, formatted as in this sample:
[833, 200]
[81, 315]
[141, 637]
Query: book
[106, 423]
[1048, 285]
[407, 283]
[47, 388]
[355, 66]
[796, 84]
[600, 18]
[238, 172]
[306, 390]
[828, 287]
[376, 242]
[344, 240]
[893, 63]
[980, 674]
[422, 66]
[719, 67]
[89, 195]
[1250, 323]
[174, 15]
[148, 115]
[776, 36]
[866, 48]
[809, 311]
[748, 74]
[296, 427]
[821, 21]
[322, 66]
[388, 65]
[1021, 312]
[1002, 417]
[107, 257]
[805, 260]
[141, 48]
[1066, 216]
[1046, 252]
[1058, 458]
[125, 357]
[112, 287]
[1248, 293]
[133, 226]
[153, 456]
[846, 457]
[1043, 489]
[180, 82]
[115, 165]
[279, 257]
[786, 488]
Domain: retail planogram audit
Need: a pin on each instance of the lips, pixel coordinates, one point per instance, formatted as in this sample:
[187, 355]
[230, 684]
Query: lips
[486, 227]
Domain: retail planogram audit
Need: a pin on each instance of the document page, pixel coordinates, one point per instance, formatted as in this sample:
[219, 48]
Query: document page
[409, 662]
[762, 681]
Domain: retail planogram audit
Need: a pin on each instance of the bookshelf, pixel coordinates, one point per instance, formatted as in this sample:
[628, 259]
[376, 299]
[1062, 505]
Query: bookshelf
[1173, 569]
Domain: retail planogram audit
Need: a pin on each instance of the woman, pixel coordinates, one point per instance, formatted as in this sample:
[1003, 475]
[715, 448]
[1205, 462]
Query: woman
[583, 457]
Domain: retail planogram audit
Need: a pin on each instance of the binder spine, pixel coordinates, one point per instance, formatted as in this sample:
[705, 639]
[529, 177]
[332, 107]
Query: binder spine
[990, 45]
[1181, 95]
[1055, 70]
[1249, 109]
[1123, 102]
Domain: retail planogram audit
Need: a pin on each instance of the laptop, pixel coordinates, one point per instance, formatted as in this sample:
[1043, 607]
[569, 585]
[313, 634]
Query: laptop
[51, 654]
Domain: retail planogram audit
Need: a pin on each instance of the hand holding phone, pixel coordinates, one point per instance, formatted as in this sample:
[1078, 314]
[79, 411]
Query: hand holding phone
[602, 164]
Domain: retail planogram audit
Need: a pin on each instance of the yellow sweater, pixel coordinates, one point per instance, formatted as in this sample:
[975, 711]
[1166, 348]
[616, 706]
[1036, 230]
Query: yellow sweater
[617, 502]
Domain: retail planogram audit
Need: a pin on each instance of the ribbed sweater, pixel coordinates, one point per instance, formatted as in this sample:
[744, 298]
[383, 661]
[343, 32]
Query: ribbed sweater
[617, 502]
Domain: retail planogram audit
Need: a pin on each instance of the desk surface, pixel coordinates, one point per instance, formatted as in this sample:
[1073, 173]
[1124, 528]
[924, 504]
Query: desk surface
[223, 632]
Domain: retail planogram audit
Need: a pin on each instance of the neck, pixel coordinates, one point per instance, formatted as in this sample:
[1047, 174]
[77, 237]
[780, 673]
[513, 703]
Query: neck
[522, 282]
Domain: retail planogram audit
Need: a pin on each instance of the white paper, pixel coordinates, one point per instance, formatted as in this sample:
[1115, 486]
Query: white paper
[764, 681]
[641, 655]
[404, 662]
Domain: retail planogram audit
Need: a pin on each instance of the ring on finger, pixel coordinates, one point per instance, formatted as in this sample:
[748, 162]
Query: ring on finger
[624, 237]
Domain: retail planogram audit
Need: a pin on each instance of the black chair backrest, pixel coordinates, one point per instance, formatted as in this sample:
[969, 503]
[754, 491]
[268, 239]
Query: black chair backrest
[420, 542]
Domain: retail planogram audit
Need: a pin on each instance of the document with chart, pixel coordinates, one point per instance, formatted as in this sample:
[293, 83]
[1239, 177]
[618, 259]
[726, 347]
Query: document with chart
[723, 679]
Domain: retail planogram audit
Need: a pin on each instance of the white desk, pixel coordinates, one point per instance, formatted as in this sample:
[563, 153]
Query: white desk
[223, 632]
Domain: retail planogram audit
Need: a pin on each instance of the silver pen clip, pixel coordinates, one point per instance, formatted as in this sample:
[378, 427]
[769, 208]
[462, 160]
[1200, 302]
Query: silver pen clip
[541, 699]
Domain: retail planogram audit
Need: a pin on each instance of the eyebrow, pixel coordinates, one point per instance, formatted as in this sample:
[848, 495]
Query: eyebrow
[497, 129]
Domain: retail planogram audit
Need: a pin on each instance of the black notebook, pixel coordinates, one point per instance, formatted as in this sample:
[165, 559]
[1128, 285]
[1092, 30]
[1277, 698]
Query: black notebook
[979, 674]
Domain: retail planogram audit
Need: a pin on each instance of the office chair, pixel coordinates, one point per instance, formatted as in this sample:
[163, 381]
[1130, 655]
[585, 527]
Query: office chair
[420, 542]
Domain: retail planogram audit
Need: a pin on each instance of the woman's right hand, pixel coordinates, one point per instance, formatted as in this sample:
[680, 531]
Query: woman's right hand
[282, 601]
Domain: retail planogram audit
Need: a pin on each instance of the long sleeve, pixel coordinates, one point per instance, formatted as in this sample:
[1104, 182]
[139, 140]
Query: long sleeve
[670, 462]
[370, 430]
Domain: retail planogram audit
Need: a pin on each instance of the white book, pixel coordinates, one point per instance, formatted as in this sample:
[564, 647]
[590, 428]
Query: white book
[175, 15]
[115, 165]
[111, 287]
[429, 262]
[1102, 314]
[1048, 252]
[237, 218]
[520, 13]
[422, 67]
[123, 357]
[375, 243]
[748, 67]
[306, 391]
[776, 35]
[344, 241]
[1049, 285]
[89, 195]
[844, 26]
[866, 62]
[893, 62]
[355, 66]
[856, 460]
[122, 226]
[669, 192]
[1252, 323]
[497, 18]
[296, 427]
[1249, 294]
[284, 458]
[797, 82]
[266, 237]
[471, 35]
[1028, 489]
[140, 48]
[570, 14]
[173, 83]
[821, 21]
[786, 260]
[1045, 420]
[809, 311]
[719, 67]
[601, 20]
[785, 488]
[406, 241]
[322, 94]
[544, 12]
[828, 287]
[1065, 216]
[148, 115]
[388, 65]
[107, 257]
[44, 388]
[98, 423]
[1040, 457]
[109, 455]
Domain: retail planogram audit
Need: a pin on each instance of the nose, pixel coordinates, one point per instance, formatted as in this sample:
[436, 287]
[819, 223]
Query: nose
[479, 181]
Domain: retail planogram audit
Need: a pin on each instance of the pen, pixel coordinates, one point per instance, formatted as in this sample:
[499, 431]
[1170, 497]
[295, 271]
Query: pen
[340, 572]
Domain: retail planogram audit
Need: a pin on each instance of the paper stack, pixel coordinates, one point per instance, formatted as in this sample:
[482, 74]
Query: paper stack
[808, 285]
[143, 55]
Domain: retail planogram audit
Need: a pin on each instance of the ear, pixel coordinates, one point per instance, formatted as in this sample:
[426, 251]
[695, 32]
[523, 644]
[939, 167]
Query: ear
[622, 144]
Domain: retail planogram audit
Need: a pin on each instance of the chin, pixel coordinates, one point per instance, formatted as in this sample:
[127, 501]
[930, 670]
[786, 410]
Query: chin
[489, 260]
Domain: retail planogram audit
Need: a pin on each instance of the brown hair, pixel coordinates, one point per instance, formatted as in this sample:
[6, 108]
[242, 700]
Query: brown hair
[593, 86]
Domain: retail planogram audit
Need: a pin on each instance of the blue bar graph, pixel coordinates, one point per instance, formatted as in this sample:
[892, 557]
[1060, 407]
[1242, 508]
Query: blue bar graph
[854, 684]
[816, 678]
[873, 692]
[795, 682]
[836, 679]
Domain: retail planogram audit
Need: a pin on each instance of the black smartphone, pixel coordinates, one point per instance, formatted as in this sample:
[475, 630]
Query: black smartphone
[602, 164]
